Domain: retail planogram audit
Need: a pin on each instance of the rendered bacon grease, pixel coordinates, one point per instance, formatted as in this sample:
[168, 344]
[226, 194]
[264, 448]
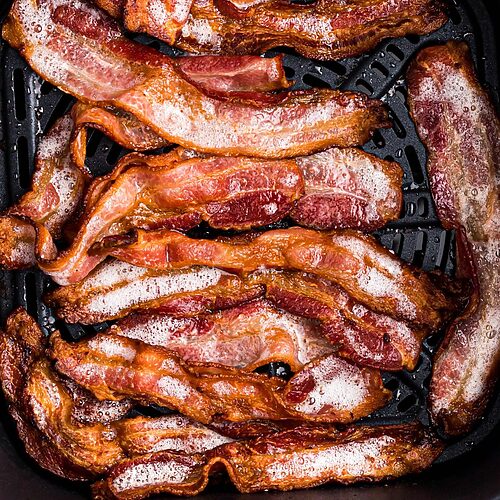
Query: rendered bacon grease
[460, 128]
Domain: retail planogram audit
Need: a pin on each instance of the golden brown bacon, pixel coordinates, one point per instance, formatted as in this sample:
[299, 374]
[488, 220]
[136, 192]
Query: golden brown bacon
[460, 128]
[116, 288]
[356, 262]
[320, 30]
[100, 66]
[56, 191]
[230, 193]
[246, 337]
[114, 367]
[300, 458]
[348, 188]
[42, 408]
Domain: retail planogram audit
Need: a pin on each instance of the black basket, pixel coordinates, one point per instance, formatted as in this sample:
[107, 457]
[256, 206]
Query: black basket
[29, 106]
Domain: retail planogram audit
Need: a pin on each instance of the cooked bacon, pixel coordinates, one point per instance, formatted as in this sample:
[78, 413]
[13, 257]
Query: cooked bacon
[348, 188]
[229, 193]
[41, 407]
[359, 334]
[319, 30]
[113, 367]
[356, 262]
[460, 128]
[81, 50]
[246, 337]
[115, 289]
[56, 191]
[300, 458]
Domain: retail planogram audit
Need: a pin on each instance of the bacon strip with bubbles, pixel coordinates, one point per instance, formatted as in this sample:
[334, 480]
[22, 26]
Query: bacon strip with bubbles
[56, 191]
[228, 193]
[328, 389]
[115, 289]
[318, 30]
[299, 458]
[459, 126]
[100, 66]
[246, 337]
[356, 262]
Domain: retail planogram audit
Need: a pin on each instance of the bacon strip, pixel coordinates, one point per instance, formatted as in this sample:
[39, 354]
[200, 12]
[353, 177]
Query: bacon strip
[112, 367]
[458, 123]
[356, 262]
[299, 458]
[245, 337]
[115, 289]
[229, 193]
[100, 66]
[319, 30]
[41, 407]
[56, 191]
[348, 188]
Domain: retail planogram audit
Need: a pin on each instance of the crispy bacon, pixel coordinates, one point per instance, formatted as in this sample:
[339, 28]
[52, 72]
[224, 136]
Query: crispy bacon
[41, 407]
[81, 50]
[356, 262]
[115, 289]
[348, 188]
[113, 367]
[246, 337]
[319, 30]
[56, 191]
[300, 458]
[229, 193]
[359, 334]
[458, 123]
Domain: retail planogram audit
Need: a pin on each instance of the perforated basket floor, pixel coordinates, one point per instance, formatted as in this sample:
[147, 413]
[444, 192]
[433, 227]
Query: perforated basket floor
[30, 106]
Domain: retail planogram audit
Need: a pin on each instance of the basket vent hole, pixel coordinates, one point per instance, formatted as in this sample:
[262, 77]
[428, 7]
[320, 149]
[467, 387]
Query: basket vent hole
[379, 69]
[413, 38]
[46, 88]
[364, 86]
[420, 244]
[314, 81]
[31, 294]
[411, 208]
[392, 384]
[408, 402]
[414, 163]
[378, 139]
[23, 162]
[395, 52]
[422, 207]
[454, 15]
[19, 94]
[114, 154]
[397, 126]
[397, 243]
[93, 143]
[289, 72]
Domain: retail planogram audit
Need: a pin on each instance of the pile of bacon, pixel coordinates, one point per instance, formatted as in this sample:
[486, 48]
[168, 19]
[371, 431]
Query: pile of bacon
[197, 317]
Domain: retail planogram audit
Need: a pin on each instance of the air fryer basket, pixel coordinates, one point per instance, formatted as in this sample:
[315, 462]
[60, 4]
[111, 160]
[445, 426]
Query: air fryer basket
[29, 106]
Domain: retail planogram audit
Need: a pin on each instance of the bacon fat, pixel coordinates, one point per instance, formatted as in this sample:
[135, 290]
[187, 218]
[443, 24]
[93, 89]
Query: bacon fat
[459, 126]
[102, 67]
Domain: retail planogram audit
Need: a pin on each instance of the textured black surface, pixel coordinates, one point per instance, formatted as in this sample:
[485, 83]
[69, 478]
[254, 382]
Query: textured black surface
[30, 106]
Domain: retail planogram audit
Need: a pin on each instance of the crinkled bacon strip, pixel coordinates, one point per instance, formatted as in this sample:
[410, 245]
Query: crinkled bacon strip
[320, 30]
[42, 407]
[246, 337]
[221, 75]
[56, 191]
[460, 128]
[228, 193]
[356, 262]
[368, 338]
[116, 288]
[348, 188]
[299, 458]
[113, 367]
[81, 50]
